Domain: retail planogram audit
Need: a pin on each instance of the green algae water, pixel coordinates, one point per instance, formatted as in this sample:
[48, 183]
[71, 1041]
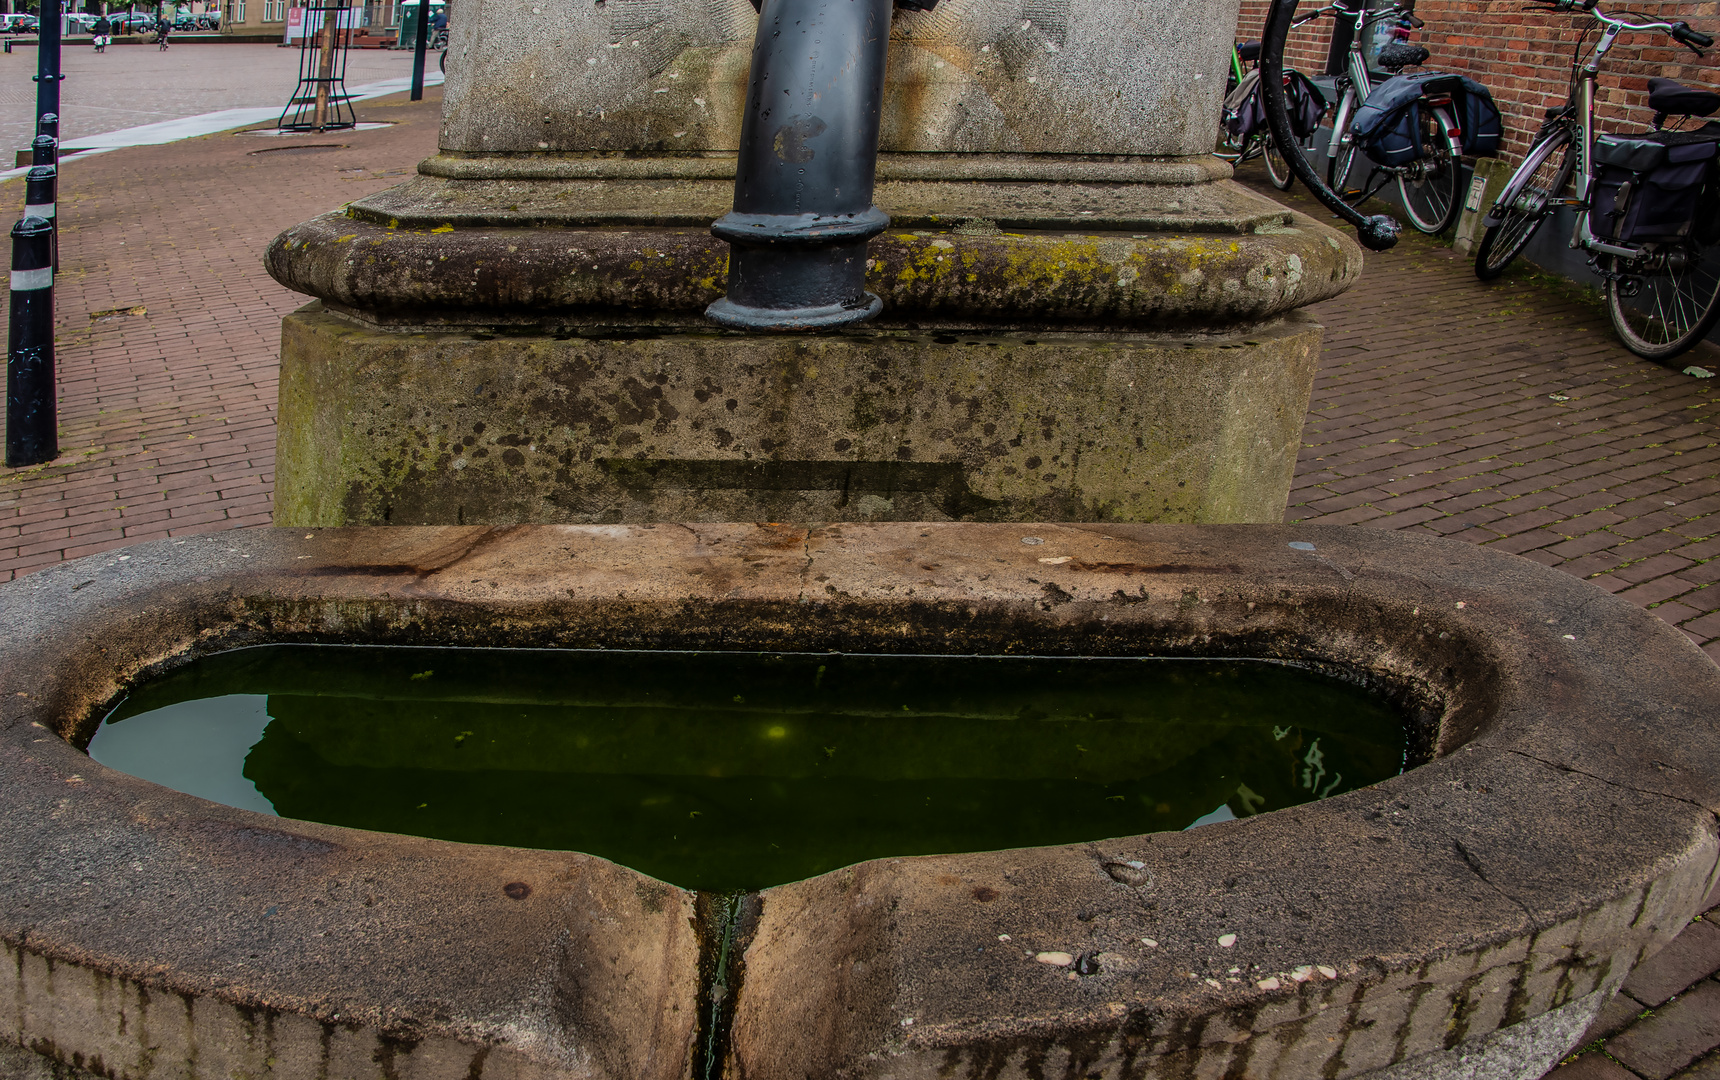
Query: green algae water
[730, 771]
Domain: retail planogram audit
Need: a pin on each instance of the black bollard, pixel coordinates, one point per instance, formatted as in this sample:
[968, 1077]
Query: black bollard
[32, 423]
[48, 59]
[44, 150]
[420, 44]
[41, 196]
[48, 124]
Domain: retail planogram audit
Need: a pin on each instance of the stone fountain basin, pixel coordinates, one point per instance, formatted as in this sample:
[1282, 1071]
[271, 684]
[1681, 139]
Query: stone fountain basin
[1467, 918]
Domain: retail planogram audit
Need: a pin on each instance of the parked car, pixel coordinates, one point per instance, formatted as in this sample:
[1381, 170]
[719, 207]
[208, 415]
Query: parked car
[80, 22]
[131, 22]
[18, 23]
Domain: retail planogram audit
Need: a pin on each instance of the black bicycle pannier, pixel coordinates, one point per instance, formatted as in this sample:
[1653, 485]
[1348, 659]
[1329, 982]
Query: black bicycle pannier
[1244, 113]
[1387, 127]
[1649, 189]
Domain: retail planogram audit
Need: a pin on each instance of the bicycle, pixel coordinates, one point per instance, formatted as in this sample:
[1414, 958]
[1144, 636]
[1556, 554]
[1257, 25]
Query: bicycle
[1258, 142]
[1680, 277]
[1429, 184]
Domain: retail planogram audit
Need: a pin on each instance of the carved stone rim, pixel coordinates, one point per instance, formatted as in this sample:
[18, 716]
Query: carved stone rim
[1027, 168]
[1566, 832]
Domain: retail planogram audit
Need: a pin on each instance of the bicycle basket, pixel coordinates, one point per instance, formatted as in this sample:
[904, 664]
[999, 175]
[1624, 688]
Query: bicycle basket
[1649, 189]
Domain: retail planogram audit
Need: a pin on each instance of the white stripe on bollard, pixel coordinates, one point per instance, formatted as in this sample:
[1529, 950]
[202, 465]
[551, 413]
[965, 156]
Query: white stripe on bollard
[25, 280]
[41, 210]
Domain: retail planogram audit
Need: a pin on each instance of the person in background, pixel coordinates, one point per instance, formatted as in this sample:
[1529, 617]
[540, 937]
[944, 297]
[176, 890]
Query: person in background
[102, 32]
[439, 25]
[162, 29]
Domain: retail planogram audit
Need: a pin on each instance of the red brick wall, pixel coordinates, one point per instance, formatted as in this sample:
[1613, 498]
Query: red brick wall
[1524, 57]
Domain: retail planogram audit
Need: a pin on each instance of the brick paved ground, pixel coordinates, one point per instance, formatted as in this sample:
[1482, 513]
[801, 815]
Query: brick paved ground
[1502, 414]
[129, 85]
[1507, 414]
[167, 417]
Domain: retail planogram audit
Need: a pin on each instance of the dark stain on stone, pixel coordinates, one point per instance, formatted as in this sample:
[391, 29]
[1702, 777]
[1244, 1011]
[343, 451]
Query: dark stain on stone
[941, 484]
[516, 890]
[1147, 568]
[985, 894]
[513, 457]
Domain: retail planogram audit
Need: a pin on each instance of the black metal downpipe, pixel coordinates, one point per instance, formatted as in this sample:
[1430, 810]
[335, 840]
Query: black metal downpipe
[803, 184]
[1377, 232]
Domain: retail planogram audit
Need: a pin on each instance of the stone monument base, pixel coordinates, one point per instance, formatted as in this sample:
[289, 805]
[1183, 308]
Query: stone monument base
[381, 427]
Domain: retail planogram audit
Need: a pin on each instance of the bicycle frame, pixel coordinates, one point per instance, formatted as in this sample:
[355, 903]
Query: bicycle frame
[1360, 81]
[1583, 139]
[1584, 237]
[1360, 84]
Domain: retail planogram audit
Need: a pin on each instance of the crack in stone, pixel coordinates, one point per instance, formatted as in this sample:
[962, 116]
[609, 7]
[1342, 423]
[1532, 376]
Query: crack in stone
[1612, 783]
[805, 570]
[1474, 863]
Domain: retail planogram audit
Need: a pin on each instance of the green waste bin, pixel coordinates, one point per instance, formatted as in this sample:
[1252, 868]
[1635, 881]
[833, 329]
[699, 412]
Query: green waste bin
[408, 35]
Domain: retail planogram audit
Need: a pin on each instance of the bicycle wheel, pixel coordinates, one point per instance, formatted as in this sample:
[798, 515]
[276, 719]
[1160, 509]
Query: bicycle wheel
[1429, 187]
[1339, 168]
[1277, 167]
[1670, 304]
[1543, 174]
[442, 62]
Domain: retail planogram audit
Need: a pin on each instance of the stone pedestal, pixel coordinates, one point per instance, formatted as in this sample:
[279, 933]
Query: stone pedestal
[1085, 318]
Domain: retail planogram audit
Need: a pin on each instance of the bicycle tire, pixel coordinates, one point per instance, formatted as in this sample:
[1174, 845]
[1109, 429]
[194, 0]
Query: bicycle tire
[1502, 243]
[1674, 318]
[442, 61]
[1431, 187]
[1277, 165]
[1338, 169]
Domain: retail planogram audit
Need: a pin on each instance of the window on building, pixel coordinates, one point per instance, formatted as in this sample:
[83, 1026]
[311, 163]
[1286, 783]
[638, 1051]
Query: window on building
[274, 10]
[235, 12]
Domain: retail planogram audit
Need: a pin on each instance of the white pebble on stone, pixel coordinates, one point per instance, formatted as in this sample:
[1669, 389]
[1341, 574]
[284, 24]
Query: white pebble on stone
[1267, 984]
[1149, 943]
[1060, 959]
[1303, 973]
[1330, 973]
[1225, 941]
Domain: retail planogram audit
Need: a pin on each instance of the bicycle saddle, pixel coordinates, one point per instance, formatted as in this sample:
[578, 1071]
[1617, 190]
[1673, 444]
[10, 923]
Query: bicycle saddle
[1249, 51]
[1401, 54]
[1676, 99]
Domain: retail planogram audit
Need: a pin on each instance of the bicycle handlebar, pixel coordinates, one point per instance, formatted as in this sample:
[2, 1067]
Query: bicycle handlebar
[1373, 15]
[1695, 40]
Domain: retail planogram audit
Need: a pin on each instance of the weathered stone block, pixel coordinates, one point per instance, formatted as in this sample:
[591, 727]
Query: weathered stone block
[389, 428]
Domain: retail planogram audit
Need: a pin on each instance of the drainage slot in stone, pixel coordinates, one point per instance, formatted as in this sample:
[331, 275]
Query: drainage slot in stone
[730, 772]
[301, 148]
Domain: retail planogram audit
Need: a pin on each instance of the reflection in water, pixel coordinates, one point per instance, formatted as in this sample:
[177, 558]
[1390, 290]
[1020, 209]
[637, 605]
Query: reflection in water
[740, 770]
